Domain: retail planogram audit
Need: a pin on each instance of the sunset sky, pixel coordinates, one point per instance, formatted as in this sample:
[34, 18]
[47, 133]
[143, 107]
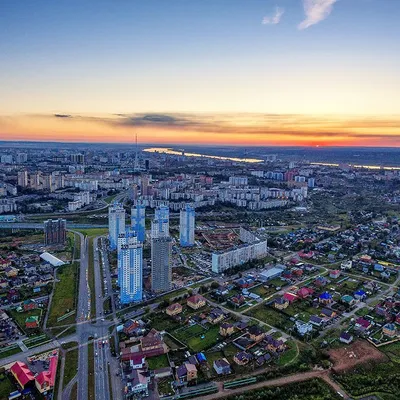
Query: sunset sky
[241, 72]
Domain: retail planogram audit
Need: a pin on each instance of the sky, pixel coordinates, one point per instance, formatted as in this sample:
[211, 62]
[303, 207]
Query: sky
[235, 72]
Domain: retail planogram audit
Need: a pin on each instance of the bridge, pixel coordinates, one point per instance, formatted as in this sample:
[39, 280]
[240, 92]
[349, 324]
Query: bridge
[40, 225]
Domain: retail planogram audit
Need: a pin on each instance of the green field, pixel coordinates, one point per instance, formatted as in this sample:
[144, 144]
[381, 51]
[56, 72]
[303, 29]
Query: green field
[6, 387]
[158, 362]
[10, 352]
[270, 316]
[199, 343]
[91, 278]
[93, 232]
[290, 354]
[71, 365]
[392, 351]
[20, 317]
[64, 296]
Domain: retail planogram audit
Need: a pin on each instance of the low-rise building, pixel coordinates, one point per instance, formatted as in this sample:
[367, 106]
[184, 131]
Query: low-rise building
[222, 366]
[196, 301]
[174, 309]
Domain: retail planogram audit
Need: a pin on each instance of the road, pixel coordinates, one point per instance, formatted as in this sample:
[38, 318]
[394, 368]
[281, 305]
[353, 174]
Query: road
[306, 376]
[83, 314]
[103, 357]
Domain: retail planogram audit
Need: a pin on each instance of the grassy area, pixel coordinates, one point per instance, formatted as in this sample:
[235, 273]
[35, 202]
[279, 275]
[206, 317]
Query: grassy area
[6, 387]
[10, 352]
[36, 341]
[205, 340]
[91, 279]
[69, 345]
[314, 389]
[93, 232]
[392, 350]
[65, 295]
[91, 377]
[71, 365]
[365, 380]
[20, 317]
[158, 362]
[269, 316]
[289, 355]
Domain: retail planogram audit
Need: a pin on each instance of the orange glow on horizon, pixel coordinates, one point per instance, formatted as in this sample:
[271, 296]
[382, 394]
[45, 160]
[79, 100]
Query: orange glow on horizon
[239, 130]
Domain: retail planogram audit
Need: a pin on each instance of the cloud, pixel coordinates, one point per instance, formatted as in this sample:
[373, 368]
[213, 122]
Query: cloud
[275, 18]
[63, 115]
[316, 11]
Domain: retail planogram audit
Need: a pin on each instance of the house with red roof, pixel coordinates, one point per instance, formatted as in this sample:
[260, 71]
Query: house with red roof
[46, 379]
[290, 297]
[22, 374]
[196, 301]
[304, 292]
[334, 274]
[363, 324]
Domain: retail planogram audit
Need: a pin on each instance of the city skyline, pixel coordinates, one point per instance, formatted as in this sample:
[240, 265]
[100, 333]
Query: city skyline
[282, 72]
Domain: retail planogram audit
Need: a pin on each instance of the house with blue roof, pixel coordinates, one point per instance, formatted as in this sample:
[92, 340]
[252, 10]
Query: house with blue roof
[360, 295]
[325, 298]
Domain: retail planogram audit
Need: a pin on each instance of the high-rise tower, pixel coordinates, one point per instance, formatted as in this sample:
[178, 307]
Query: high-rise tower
[130, 267]
[186, 226]
[138, 221]
[116, 223]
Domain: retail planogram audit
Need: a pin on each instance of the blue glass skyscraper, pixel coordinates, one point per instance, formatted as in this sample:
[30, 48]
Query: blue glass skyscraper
[186, 226]
[138, 221]
[116, 223]
[160, 224]
[130, 267]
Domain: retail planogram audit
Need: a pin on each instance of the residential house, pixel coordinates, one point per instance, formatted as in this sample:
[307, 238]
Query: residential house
[22, 374]
[328, 313]
[222, 366]
[334, 274]
[346, 337]
[304, 292]
[274, 345]
[362, 324]
[137, 361]
[325, 298]
[132, 327]
[290, 297]
[237, 300]
[11, 272]
[30, 305]
[215, 316]
[196, 301]
[303, 327]
[281, 303]
[186, 373]
[242, 358]
[316, 320]
[256, 333]
[32, 322]
[261, 360]
[137, 383]
[174, 309]
[45, 380]
[347, 299]
[241, 325]
[226, 329]
[320, 281]
[389, 330]
[360, 295]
